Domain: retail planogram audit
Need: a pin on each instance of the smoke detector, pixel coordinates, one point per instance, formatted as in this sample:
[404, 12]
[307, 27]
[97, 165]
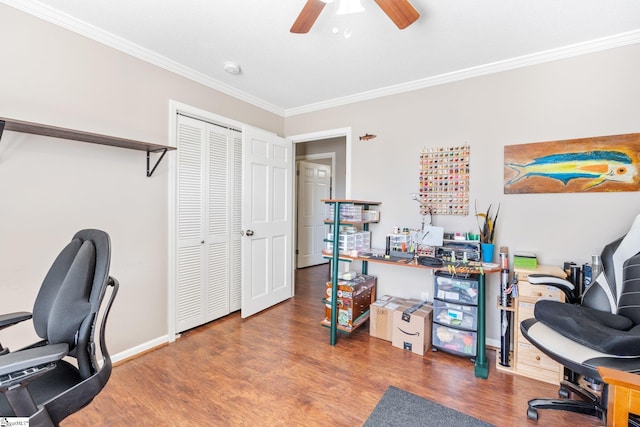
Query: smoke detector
[231, 67]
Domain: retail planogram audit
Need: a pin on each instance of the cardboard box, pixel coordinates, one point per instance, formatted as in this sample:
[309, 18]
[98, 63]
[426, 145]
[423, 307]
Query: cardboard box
[412, 328]
[354, 299]
[381, 317]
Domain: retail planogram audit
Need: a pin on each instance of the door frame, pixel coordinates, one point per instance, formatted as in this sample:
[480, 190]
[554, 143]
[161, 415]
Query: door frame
[311, 158]
[176, 107]
[319, 136]
[327, 134]
[298, 177]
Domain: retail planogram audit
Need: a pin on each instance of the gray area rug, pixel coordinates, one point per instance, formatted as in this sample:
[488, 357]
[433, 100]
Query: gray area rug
[401, 408]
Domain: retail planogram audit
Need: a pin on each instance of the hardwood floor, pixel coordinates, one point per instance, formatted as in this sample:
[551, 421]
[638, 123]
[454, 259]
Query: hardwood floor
[277, 368]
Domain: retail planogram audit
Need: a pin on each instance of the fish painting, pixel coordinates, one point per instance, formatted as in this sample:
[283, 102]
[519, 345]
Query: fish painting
[596, 167]
[594, 164]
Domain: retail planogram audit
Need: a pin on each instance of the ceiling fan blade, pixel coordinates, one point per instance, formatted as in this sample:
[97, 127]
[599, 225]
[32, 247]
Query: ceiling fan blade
[307, 16]
[399, 11]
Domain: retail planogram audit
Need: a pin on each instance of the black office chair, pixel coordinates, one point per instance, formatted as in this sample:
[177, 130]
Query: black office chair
[35, 382]
[602, 330]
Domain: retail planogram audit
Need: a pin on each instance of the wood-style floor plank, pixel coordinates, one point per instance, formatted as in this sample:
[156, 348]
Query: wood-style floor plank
[277, 368]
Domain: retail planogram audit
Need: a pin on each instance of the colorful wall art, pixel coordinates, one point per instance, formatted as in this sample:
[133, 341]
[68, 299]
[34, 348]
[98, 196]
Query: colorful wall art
[604, 163]
[444, 180]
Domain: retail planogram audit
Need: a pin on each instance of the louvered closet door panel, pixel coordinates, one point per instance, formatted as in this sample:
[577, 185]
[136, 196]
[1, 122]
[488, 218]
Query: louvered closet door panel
[190, 180]
[189, 300]
[218, 283]
[219, 230]
[190, 226]
[235, 299]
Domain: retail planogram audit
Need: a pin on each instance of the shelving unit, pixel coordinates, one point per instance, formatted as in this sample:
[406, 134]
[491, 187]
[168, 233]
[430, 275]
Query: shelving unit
[93, 138]
[336, 258]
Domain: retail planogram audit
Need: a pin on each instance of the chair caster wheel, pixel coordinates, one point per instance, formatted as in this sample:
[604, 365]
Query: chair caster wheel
[532, 414]
[563, 393]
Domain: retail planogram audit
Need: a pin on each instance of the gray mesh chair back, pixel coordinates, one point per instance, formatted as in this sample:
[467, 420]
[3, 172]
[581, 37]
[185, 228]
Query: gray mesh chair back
[65, 316]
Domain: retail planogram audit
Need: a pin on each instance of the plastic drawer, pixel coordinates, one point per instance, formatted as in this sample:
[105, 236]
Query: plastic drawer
[455, 341]
[455, 289]
[456, 315]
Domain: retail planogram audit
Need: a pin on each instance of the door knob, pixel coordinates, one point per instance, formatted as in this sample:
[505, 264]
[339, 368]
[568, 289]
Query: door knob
[249, 233]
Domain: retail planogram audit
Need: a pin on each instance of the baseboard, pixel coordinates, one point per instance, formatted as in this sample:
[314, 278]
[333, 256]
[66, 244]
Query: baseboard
[140, 349]
[492, 343]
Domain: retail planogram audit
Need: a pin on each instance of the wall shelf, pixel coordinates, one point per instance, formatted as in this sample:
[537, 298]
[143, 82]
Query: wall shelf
[93, 138]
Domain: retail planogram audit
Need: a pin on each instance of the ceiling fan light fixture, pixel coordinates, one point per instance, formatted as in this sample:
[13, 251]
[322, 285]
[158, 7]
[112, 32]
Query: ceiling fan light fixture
[349, 6]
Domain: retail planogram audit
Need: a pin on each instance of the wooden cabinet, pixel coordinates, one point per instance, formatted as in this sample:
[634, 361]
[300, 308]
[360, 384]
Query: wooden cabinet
[526, 359]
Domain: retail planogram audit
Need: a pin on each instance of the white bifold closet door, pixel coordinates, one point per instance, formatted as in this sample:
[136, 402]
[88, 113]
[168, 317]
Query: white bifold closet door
[209, 220]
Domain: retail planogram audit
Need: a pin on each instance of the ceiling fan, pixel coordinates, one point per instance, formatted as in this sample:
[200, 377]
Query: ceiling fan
[401, 12]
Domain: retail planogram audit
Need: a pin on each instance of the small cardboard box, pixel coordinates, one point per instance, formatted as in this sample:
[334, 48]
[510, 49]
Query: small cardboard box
[412, 328]
[381, 317]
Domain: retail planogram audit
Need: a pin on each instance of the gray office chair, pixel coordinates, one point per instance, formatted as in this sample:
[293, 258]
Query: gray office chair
[602, 330]
[35, 382]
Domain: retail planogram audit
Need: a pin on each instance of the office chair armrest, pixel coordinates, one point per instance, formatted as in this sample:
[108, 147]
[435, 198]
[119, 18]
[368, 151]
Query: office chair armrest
[21, 364]
[564, 285]
[10, 319]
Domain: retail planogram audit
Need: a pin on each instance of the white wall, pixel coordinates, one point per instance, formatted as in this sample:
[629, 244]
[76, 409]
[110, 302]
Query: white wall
[592, 95]
[50, 188]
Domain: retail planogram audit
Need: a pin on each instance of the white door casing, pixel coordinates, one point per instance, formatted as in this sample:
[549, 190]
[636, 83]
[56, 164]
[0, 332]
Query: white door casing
[313, 185]
[267, 254]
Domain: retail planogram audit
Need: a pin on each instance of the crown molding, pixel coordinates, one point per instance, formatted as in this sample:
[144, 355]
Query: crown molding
[46, 13]
[84, 29]
[605, 43]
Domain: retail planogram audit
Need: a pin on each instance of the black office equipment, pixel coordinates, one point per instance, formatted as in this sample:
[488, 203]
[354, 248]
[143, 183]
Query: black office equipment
[35, 382]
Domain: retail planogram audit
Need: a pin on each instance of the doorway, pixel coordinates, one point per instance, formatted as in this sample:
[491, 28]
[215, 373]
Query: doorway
[313, 183]
[250, 191]
[331, 148]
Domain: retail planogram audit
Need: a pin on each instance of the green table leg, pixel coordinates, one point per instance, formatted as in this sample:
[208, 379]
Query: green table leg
[481, 365]
[334, 275]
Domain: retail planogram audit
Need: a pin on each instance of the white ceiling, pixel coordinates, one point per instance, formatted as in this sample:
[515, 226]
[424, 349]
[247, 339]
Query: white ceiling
[292, 73]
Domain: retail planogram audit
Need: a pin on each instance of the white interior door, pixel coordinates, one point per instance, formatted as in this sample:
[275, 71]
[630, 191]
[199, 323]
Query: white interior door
[267, 250]
[314, 184]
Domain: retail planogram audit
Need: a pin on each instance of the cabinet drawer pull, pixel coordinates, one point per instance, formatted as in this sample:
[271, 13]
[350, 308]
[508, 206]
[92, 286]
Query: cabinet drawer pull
[538, 358]
[539, 294]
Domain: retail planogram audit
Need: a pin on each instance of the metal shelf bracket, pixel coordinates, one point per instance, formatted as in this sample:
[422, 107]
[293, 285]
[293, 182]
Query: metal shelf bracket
[150, 172]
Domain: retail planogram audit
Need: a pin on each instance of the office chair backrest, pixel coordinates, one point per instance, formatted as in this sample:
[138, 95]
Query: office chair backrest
[602, 294]
[66, 306]
[607, 288]
[629, 302]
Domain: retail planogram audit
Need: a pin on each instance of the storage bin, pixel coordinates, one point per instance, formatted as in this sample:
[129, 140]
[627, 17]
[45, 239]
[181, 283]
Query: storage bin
[457, 315]
[455, 341]
[348, 213]
[456, 289]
